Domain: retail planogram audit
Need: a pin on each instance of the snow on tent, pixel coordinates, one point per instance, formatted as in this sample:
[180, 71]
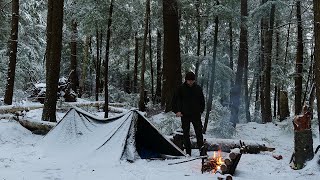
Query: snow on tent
[127, 136]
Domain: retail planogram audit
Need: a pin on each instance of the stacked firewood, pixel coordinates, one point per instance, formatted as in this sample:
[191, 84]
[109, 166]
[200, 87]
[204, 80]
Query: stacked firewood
[226, 166]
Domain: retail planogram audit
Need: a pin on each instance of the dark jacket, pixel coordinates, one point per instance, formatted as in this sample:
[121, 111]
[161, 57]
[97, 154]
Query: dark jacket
[188, 100]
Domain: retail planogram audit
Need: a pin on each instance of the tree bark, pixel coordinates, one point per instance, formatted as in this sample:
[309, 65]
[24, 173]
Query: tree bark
[136, 61]
[243, 55]
[127, 83]
[142, 106]
[106, 63]
[97, 65]
[13, 53]
[231, 55]
[316, 7]
[299, 64]
[53, 58]
[159, 68]
[284, 105]
[267, 71]
[198, 38]
[150, 58]
[73, 64]
[171, 53]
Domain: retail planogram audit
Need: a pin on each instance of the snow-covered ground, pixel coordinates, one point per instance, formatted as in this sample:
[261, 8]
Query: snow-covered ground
[21, 158]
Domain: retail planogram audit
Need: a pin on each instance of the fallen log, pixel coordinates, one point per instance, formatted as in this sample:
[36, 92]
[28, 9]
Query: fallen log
[225, 145]
[37, 127]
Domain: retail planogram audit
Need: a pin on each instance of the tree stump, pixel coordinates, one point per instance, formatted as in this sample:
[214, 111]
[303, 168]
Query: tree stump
[303, 142]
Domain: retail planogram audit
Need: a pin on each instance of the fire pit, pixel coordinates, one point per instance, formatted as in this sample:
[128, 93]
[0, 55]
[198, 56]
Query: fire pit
[219, 164]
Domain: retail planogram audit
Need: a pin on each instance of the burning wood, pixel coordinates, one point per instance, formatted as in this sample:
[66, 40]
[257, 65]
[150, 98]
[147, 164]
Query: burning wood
[216, 163]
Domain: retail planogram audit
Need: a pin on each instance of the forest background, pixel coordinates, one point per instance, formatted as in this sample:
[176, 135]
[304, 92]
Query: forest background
[256, 60]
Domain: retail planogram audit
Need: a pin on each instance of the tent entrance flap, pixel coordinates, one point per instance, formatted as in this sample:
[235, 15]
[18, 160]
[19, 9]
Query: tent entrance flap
[150, 143]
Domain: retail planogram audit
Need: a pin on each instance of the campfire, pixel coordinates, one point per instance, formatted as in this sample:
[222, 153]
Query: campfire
[218, 164]
[213, 163]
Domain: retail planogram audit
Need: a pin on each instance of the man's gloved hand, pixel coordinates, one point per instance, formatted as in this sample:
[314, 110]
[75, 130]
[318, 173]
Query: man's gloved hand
[178, 114]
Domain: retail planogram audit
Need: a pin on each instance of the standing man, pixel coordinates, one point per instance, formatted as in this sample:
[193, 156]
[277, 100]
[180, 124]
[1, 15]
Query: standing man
[188, 103]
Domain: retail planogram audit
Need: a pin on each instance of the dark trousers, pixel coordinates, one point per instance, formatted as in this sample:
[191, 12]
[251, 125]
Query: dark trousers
[197, 125]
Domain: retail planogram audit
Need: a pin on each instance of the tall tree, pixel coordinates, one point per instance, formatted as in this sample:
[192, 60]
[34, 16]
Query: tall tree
[136, 61]
[106, 62]
[213, 70]
[243, 55]
[316, 9]
[150, 58]
[267, 69]
[142, 106]
[53, 58]
[299, 66]
[159, 68]
[171, 51]
[13, 53]
[74, 79]
[198, 37]
[98, 65]
[230, 52]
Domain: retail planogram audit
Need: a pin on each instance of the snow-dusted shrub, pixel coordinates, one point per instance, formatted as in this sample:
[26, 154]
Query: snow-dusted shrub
[168, 123]
[219, 121]
[119, 96]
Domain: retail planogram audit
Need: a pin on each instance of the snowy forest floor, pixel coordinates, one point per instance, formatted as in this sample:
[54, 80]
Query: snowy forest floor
[22, 159]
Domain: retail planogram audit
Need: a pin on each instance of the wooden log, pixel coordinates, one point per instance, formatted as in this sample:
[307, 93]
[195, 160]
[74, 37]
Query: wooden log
[226, 145]
[224, 168]
[233, 166]
[227, 161]
[36, 127]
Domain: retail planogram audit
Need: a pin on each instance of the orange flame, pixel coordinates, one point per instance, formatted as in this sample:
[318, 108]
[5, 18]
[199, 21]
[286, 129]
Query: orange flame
[217, 158]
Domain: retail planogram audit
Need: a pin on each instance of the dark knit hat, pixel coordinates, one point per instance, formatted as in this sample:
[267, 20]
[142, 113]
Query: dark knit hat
[190, 76]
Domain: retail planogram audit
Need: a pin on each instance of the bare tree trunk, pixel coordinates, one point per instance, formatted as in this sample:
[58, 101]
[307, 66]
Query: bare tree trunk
[299, 65]
[73, 64]
[84, 66]
[98, 65]
[267, 71]
[142, 106]
[159, 68]
[106, 63]
[127, 83]
[243, 55]
[151, 63]
[246, 91]
[171, 53]
[284, 106]
[213, 69]
[231, 56]
[198, 38]
[53, 58]
[136, 61]
[316, 7]
[13, 53]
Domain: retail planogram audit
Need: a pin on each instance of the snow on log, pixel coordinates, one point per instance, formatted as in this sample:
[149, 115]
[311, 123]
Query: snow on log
[225, 145]
[37, 127]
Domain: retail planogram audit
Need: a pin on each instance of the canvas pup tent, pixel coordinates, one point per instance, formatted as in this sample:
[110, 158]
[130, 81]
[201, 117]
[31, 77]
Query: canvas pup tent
[128, 136]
